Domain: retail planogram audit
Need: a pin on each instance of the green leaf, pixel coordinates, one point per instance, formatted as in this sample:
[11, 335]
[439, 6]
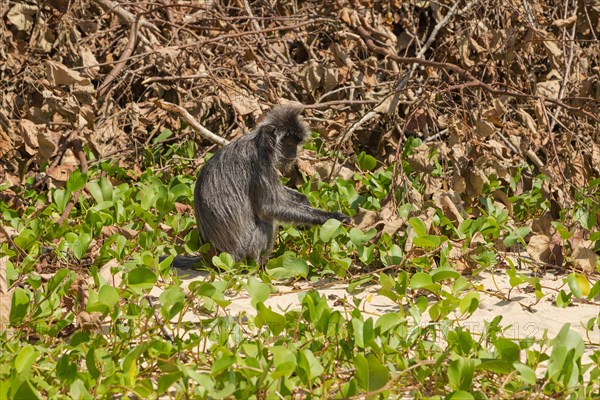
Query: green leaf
[284, 362]
[258, 290]
[222, 363]
[460, 373]
[579, 285]
[498, 366]
[526, 374]
[25, 359]
[418, 226]
[129, 364]
[507, 349]
[287, 266]
[26, 239]
[565, 359]
[165, 381]
[61, 199]
[224, 261]
[469, 303]
[172, 301]
[108, 295]
[442, 273]
[141, 278]
[366, 162]
[80, 245]
[389, 321]
[77, 390]
[370, 373]
[101, 190]
[359, 238]
[275, 321]
[19, 307]
[329, 230]
[421, 280]
[460, 395]
[76, 181]
[309, 364]
[27, 391]
[357, 282]
[165, 134]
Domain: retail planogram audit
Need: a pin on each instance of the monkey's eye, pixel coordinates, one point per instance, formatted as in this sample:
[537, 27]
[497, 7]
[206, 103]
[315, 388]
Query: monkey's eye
[292, 140]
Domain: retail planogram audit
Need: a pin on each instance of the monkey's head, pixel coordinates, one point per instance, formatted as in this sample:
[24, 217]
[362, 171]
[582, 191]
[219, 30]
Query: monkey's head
[281, 133]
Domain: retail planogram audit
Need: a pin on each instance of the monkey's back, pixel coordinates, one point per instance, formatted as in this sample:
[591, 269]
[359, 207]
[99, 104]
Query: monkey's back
[223, 209]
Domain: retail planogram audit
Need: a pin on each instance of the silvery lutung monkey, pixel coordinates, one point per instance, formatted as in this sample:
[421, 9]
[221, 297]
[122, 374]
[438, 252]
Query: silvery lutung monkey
[239, 200]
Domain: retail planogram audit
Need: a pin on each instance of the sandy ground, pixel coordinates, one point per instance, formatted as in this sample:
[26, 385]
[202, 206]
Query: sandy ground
[518, 307]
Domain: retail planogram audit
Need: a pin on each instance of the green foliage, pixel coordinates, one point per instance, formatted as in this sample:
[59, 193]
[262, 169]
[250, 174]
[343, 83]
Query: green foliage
[94, 329]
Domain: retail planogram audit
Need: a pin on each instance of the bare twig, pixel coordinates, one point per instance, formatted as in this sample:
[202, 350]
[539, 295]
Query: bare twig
[78, 148]
[567, 72]
[474, 82]
[121, 63]
[340, 103]
[404, 81]
[173, 78]
[125, 15]
[187, 117]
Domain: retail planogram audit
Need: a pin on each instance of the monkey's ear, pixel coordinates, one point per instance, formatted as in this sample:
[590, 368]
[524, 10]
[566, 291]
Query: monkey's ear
[267, 130]
[266, 137]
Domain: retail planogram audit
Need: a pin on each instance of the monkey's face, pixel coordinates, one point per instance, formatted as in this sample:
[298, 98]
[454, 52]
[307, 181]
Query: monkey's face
[289, 145]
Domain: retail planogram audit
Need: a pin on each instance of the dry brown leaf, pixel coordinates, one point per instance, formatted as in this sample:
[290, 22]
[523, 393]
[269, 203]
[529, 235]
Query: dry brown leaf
[576, 171]
[475, 180]
[443, 200]
[563, 23]
[3, 279]
[5, 304]
[542, 224]
[457, 258]
[22, 16]
[420, 160]
[89, 60]
[183, 208]
[323, 170]
[60, 173]
[502, 197]
[121, 230]
[6, 144]
[528, 121]
[484, 128]
[552, 47]
[60, 74]
[29, 135]
[584, 258]
[548, 89]
[392, 226]
[546, 249]
[47, 146]
[305, 166]
[106, 274]
[596, 158]
[366, 219]
[89, 322]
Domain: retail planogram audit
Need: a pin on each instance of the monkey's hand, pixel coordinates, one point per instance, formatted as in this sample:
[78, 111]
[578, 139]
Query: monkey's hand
[341, 217]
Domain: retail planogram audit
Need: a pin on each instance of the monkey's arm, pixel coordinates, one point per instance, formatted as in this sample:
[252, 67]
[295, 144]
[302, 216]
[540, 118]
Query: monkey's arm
[184, 262]
[297, 196]
[282, 206]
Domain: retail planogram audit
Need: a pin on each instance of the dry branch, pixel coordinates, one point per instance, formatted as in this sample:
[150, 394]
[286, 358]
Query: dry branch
[187, 117]
[125, 15]
[473, 81]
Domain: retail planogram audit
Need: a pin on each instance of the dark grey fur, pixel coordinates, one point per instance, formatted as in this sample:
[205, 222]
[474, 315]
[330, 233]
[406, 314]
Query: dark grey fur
[239, 199]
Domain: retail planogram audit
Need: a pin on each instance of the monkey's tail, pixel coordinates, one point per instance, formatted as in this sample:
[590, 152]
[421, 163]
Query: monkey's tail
[184, 262]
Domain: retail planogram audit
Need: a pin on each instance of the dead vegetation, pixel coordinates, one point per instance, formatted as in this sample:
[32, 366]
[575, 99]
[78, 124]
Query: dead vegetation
[488, 86]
